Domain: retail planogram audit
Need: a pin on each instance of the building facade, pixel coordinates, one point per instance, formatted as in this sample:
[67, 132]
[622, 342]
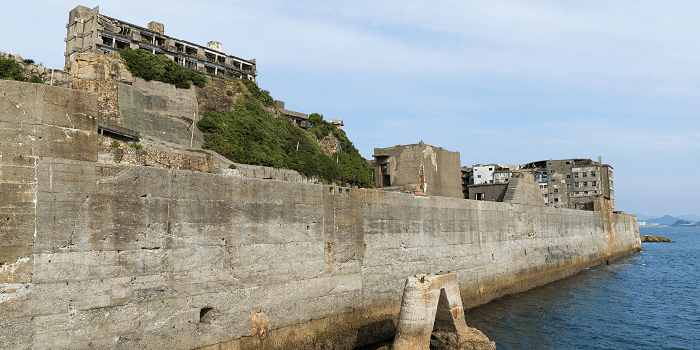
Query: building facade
[430, 170]
[90, 31]
[573, 183]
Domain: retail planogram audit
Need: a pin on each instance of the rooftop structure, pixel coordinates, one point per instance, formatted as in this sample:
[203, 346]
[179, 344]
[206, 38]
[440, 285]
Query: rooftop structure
[90, 31]
[300, 119]
[430, 170]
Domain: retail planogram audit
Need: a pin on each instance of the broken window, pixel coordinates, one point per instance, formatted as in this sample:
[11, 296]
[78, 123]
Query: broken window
[146, 38]
[568, 194]
[191, 51]
[567, 163]
[594, 183]
[210, 56]
[577, 193]
[576, 175]
[122, 45]
[556, 199]
[125, 31]
[107, 41]
[179, 47]
[210, 70]
[585, 193]
[552, 171]
[221, 59]
[556, 191]
[585, 184]
[568, 176]
[160, 41]
[180, 60]
[592, 173]
[385, 171]
[568, 185]
[594, 192]
[576, 184]
[480, 196]
[585, 174]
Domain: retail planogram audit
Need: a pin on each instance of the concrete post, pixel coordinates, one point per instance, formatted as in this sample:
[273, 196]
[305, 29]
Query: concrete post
[430, 302]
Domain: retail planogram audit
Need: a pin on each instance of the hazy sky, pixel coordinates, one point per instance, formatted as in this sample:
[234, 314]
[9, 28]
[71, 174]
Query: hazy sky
[500, 82]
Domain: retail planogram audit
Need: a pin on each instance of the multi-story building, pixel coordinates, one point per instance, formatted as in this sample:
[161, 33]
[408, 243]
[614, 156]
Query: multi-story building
[573, 183]
[300, 119]
[568, 183]
[90, 31]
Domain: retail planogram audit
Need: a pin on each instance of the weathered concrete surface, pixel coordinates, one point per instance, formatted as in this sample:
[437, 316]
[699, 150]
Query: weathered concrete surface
[161, 110]
[120, 256]
[429, 302]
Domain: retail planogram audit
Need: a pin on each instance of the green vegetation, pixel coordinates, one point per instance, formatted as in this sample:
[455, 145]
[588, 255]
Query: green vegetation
[355, 169]
[115, 144]
[261, 95]
[250, 135]
[11, 70]
[144, 64]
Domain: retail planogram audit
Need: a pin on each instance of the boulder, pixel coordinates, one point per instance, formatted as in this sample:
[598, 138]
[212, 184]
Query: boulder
[473, 339]
[94, 66]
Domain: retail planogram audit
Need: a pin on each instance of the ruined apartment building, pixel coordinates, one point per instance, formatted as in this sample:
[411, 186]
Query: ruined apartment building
[90, 31]
[430, 170]
[567, 183]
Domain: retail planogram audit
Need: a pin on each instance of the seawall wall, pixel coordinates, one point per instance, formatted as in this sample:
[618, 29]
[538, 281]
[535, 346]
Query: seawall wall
[101, 255]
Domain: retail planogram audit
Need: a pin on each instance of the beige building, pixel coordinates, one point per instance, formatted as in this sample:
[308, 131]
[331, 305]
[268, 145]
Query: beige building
[90, 31]
[430, 170]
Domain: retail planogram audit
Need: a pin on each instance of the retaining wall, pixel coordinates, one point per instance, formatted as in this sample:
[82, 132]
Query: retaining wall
[123, 256]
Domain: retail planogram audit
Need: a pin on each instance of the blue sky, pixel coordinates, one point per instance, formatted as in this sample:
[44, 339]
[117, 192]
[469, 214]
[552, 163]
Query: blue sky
[500, 82]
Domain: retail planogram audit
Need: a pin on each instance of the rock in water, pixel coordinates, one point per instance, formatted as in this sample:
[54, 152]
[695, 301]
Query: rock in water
[473, 339]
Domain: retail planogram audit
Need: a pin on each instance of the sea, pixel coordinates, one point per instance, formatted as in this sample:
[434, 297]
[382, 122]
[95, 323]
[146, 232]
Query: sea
[647, 300]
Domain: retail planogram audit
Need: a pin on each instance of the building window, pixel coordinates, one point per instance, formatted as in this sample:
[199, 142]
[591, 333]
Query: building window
[490, 169]
[576, 184]
[576, 175]
[556, 199]
[594, 192]
[384, 169]
[592, 173]
[568, 194]
[585, 193]
[585, 174]
[568, 185]
[568, 176]
[552, 171]
[553, 179]
[585, 184]
[478, 176]
[567, 163]
[556, 191]
[577, 193]
[593, 183]
[480, 196]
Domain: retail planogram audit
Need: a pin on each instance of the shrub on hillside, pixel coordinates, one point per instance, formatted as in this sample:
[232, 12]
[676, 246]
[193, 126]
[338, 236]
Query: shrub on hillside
[11, 70]
[250, 135]
[144, 64]
[355, 168]
[261, 95]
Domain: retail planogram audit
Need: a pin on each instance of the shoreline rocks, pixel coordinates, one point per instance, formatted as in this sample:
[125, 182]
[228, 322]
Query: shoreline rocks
[650, 238]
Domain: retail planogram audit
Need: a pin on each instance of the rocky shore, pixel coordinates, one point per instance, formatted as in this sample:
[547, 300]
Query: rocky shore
[650, 238]
[474, 339]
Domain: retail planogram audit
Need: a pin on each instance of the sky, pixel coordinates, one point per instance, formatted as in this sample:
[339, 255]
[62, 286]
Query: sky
[506, 82]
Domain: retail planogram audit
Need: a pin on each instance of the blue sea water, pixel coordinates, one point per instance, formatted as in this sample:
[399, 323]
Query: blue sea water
[649, 300]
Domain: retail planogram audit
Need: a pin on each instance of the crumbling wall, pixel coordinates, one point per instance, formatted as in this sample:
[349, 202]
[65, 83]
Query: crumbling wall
[523, 189]
[161, 110]
[330, 144]
[107, 98]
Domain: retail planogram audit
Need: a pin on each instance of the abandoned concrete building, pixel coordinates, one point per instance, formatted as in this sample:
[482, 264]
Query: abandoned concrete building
[90, 31]
[418, 167]
[300, 119]
[567, 183]
[573, 183]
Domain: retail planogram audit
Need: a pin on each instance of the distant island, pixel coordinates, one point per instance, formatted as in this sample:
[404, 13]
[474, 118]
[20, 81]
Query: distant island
[669, 221]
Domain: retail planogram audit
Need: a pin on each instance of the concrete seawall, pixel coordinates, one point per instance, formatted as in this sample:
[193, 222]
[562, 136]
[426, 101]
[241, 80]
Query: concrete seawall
[121, 256]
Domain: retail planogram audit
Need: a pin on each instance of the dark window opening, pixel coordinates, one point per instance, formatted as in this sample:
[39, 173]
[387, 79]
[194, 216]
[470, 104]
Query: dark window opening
[221, 59]
[210, 56]
[191, 51]
[107, 41]
[160, 41]
[125, 31]
[146, 38]
[179, 47]
[479, 196]
[205, 315]
[210, 70]
[121, 45]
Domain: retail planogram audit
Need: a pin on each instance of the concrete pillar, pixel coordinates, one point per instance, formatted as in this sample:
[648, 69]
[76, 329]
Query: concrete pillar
[430, 302]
